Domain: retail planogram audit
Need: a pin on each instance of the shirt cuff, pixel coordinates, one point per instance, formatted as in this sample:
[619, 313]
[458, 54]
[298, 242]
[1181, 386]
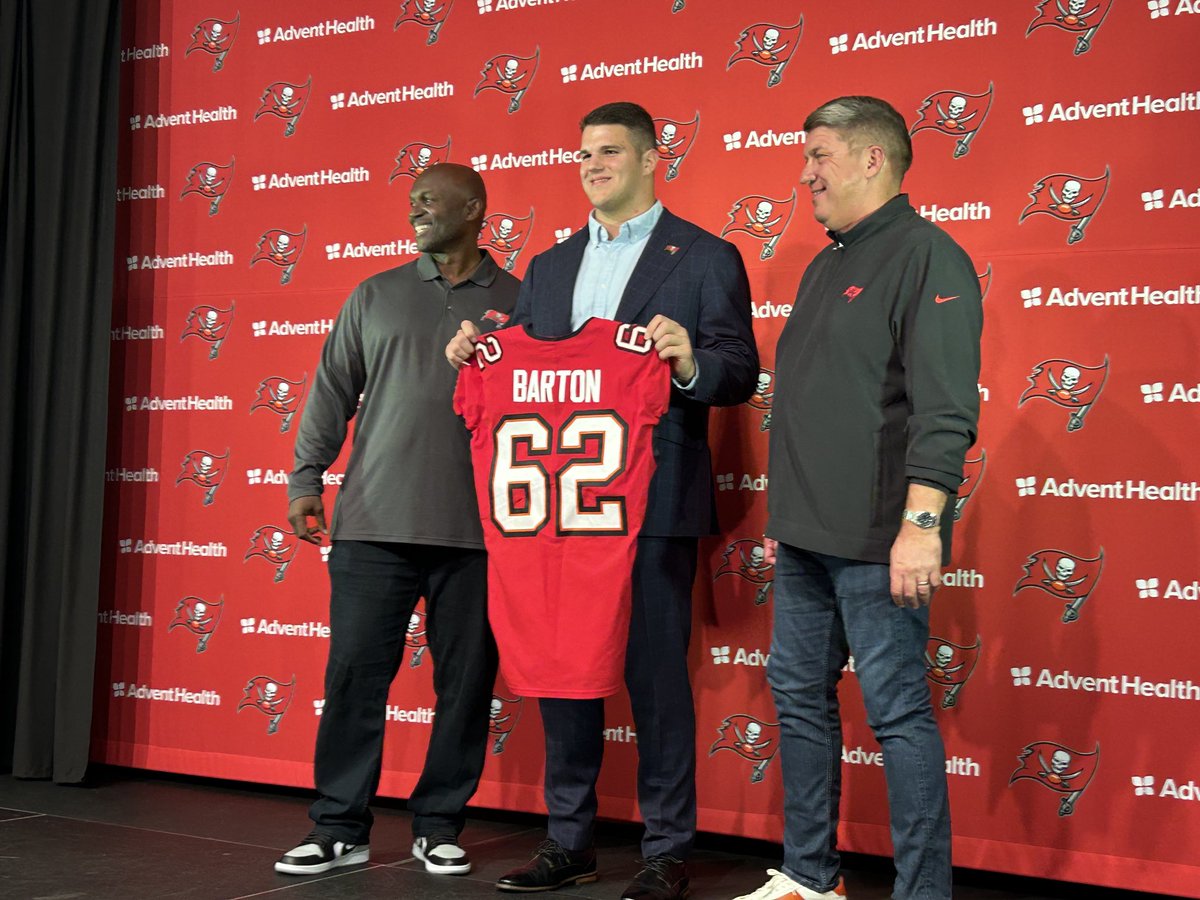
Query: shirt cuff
[691, 384]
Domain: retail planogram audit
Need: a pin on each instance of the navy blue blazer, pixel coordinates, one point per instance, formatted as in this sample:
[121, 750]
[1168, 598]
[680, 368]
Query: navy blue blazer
[699, 281]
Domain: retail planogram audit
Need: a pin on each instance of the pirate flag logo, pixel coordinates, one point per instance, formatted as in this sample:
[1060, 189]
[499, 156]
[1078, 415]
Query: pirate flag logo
[510, 75]
[429, 14]
[506, 235]
[753, 740]
[768, 45]
[764, 394]
[1059, 768]
[746, 559]
[1082, 18]
[985, 282]
[210, 324]
[1063, 575]
[211, 181]
[415, 637]
[1068, 384]
[269, 697]
[1068, 198]
[955, 113]
[503, 716]
[678, 5]
[282, 397]
[973, 469]
[949, 666]
[761, 217]
[413, 159]
[270, 542]
[214, 37]
[286, 101]
[675, 140]
[198, 616]
[281, 249]
[206, 470]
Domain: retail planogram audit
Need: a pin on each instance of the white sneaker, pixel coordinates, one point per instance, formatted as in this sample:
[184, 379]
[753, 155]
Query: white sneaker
[780, 887]
[441, 855]
[319, 853]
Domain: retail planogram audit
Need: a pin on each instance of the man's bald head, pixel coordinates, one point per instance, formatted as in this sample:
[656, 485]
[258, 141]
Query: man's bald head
[460, 178]
[447, 204]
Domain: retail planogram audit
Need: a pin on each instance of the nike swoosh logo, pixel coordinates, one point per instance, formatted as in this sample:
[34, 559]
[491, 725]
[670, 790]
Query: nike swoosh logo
[938, 298]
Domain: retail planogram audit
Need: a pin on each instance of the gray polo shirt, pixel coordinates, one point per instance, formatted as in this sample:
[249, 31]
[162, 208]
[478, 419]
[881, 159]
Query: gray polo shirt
[409, 478]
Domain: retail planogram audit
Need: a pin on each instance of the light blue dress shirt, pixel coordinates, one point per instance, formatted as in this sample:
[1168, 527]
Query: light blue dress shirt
[607, 265]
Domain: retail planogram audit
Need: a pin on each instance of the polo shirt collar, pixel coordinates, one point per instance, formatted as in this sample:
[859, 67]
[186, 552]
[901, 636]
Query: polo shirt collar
[484, 274]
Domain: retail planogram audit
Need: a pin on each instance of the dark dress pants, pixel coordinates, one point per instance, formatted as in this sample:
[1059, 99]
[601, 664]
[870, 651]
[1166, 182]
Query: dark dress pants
[656, 674]
[374, 589]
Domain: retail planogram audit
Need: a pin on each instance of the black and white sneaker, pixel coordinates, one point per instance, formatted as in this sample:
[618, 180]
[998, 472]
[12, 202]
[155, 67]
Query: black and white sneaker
[442, 855]
[319, 853]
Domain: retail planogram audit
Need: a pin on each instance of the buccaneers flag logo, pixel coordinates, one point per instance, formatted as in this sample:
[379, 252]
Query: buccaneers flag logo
[955, 113]
[768, 45]
[675, 139]
[985, 282]
[1068, 384]
[286, 101]
[752, 739]
[973, 469]
[413, 159]
[1063, 575]
[214, 37]
[282, 397]
[198, 616]
[510, 75]
[1058, 767]
[506, 235]
[764, 395]
[211, 181]
[949, 665]
[205, 469]
[761, 217]
[746, 558]
[415, 637]
[209, 323]
[269, 697]
[503, 716]
[429, 13]
[270, 542]
[281, 249]
[1068, 198]
[1082, 18]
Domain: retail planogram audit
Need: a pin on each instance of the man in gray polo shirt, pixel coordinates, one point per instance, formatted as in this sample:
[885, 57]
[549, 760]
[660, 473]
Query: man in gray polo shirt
[406, 525]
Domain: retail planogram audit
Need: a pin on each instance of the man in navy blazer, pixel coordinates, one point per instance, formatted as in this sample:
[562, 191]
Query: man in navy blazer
[637, 262]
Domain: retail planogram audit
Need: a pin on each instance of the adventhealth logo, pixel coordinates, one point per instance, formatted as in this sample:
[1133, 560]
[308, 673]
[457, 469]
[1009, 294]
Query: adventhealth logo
[553, 156]
[328, 28]
[647, 65]
[934, 32]
[1174, 789]
[488, 6]
[1176, 589]
[1160, 9]
[1144, 105]
[740, 657]
[1157, 392]
[1131, 295]
[1180, 197]
[769, 138]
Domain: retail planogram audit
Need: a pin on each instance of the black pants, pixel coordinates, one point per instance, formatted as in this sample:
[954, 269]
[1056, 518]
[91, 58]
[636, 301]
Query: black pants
[656, 674]
[374, 589]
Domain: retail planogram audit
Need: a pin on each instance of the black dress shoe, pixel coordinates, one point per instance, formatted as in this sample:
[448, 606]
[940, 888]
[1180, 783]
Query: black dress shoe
[662, 878]
[553, 866]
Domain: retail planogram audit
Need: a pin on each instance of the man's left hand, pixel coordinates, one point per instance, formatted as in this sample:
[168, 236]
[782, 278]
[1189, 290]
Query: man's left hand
[916, 566]
[672, 343]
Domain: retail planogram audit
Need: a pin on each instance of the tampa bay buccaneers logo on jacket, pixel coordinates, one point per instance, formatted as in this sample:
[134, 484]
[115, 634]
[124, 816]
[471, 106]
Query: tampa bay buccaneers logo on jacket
[270, 697]
[746, 559]
[198, 616]
[281, 396]
[955, 113]
[1069, 198]
[763, 218]
[274, 544]
[1066, 383]
[1081, 18]
[503, 716]
[210, 324]
[674, 141]
[1059, 768]
[768, 45]
[414, 158]
[284, 100]
[211, 181]
[1063, 575]
[281, 249]
[206, 470]
[949, 666]
[430, 14]
[752, 739]
[214, 37]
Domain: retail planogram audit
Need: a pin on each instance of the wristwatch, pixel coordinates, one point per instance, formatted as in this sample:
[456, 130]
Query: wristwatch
[921, 518]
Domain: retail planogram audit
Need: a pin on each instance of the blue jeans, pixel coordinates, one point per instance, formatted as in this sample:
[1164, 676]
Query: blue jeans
[826, 608]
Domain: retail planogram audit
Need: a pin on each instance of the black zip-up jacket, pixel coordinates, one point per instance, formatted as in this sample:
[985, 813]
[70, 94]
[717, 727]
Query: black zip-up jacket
[877, 373]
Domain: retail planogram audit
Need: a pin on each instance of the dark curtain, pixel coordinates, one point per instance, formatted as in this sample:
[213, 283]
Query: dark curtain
[59, 64]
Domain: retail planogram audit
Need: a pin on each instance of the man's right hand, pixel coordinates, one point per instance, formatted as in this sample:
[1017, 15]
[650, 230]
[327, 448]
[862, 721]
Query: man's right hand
[460, 350]
[300, 511]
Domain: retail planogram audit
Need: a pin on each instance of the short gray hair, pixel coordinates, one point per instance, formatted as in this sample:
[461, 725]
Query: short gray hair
[860, 120]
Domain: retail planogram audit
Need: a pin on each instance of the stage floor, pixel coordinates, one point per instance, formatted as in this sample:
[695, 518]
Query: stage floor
[131, 834]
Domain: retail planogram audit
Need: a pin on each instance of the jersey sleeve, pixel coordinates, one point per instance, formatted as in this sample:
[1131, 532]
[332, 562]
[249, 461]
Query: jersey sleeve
[468, 395]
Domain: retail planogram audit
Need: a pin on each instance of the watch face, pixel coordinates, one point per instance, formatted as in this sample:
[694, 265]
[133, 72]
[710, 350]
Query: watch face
[926, 520]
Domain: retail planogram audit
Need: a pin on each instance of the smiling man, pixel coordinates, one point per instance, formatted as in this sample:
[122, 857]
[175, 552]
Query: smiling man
[404, 527]
[875, 406]
[637, 262]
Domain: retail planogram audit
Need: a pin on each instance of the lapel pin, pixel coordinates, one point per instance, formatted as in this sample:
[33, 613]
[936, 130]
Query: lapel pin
[672, 249]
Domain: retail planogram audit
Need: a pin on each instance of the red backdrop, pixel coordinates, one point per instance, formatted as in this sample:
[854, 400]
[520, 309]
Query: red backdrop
[1057, 148]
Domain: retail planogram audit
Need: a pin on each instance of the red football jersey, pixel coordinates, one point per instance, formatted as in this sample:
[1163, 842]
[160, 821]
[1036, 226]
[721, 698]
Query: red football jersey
[561, 435]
